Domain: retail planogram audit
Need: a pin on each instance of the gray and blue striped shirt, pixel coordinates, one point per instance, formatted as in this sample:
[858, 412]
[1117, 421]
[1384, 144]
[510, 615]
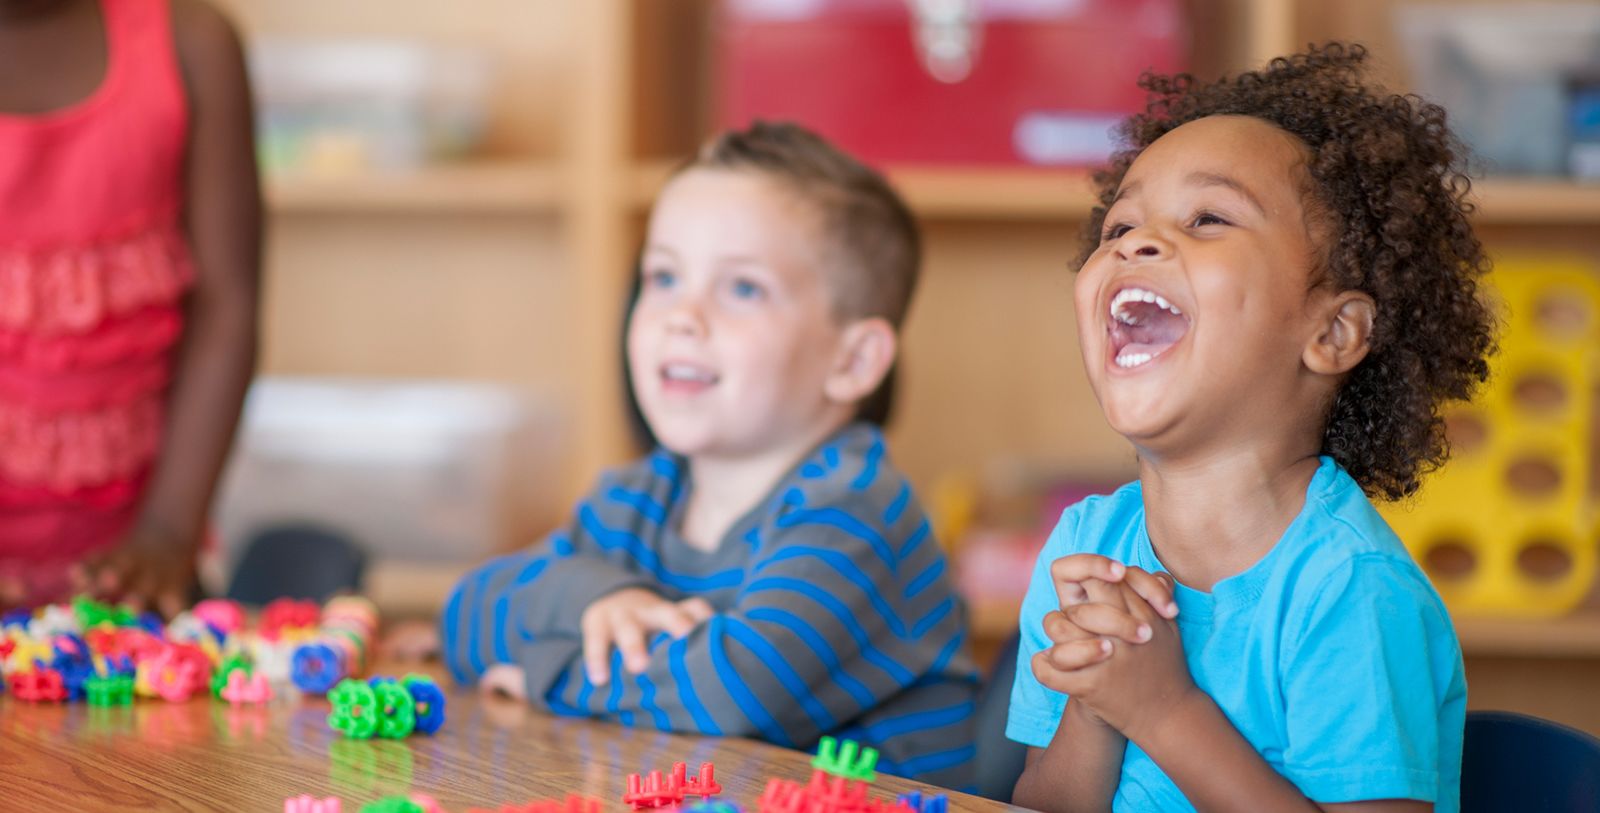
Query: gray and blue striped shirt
[835, 614]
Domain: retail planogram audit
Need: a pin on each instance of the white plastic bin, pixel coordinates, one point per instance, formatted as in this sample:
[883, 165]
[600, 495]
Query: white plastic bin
[1500, 71]
[328, 106]
[410, 470]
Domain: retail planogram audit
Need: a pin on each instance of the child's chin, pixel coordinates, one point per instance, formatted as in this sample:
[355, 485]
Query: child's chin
[1136, 422]
[686, 443]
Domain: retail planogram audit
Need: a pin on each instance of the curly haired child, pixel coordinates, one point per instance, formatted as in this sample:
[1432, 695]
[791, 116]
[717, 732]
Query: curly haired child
[1281, 293]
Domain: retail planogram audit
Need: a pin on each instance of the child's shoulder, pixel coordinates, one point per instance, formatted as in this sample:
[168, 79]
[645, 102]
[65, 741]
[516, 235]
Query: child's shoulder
[1100, 523]
[852, 467]
[1340, 550]
[1339, 523]
[850, 486]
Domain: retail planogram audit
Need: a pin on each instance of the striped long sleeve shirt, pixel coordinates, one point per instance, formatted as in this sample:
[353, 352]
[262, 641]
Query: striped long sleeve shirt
[834, 614]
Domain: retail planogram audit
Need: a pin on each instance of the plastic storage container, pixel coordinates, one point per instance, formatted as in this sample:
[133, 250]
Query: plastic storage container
[409, 470]
[1502, 73]
[948, 81]
[335, 106]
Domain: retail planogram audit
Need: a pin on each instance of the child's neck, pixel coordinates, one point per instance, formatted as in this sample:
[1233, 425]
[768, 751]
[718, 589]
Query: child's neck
[1213, 516]
[726, 488]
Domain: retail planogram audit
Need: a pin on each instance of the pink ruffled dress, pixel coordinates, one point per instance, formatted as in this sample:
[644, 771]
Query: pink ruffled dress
[93, 269]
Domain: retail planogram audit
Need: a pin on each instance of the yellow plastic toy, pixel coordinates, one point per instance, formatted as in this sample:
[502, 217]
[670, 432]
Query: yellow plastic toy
[1507, 526]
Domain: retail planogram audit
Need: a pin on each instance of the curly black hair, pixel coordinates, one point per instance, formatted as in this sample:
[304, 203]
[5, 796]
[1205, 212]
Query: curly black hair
[1388, 189]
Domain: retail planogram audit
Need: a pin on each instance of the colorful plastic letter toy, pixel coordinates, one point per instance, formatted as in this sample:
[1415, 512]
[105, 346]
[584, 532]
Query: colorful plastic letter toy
[243, 688]
[428, 702]
[355, 709]
[393, 804]
[847, 760]
[396, 710]
[305, 803]
[114, 690]
[917, 803]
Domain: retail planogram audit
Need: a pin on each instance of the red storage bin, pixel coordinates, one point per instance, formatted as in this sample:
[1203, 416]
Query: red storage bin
[947, 81]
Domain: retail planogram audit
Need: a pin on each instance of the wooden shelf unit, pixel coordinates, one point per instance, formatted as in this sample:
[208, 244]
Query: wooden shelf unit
[949, 193]
[1033, 194]
[480, 187]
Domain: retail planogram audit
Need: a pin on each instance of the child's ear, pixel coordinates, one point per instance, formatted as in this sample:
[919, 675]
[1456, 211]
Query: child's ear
[866, 352]
[1345, 335]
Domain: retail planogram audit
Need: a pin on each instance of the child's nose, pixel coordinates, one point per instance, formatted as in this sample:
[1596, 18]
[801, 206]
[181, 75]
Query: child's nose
[687, 318]
[1144, 244]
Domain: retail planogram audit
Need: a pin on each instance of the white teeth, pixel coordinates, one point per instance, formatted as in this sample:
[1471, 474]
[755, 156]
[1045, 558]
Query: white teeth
[1130, 295]
[686, 372]
[1133, 359]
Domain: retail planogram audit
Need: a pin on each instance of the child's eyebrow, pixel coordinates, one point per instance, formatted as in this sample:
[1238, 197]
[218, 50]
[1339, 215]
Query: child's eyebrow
[1125, 191]
[1214, 179]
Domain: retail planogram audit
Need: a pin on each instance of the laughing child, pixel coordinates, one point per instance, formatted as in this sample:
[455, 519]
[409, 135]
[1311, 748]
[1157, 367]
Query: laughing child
[1282, 293]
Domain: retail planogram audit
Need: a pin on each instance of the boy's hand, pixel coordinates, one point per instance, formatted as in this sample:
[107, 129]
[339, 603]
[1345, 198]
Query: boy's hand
[625, 620]
[1131, 687]
[148, 568]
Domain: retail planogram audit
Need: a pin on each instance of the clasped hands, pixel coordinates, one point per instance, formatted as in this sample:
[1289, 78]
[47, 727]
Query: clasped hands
[1115, 648]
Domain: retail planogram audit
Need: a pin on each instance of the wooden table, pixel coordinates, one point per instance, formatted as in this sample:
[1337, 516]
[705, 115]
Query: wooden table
[206, 755]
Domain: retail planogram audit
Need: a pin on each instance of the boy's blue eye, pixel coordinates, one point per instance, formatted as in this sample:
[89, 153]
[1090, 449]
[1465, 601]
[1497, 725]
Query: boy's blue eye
[660, 279]
[745, 289]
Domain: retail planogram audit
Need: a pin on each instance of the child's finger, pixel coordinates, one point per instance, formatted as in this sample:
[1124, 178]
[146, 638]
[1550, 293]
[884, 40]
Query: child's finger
[698, 609]
[1070, 572]
[1104, 592]
[1059, 629]
[630, 636]
[671, 619]
[1154, 588]
[597, 650]
[1142, 610]
[1074, 655]
[170, 602]
[1102, 620]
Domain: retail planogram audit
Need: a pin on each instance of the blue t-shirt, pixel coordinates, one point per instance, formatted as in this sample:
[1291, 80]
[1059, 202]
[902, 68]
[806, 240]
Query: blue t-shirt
[1333, 656]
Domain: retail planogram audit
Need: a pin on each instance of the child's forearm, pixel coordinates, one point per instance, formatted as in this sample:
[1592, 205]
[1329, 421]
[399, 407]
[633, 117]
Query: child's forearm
[1079, 771]
[213, 372]
[1212, 763]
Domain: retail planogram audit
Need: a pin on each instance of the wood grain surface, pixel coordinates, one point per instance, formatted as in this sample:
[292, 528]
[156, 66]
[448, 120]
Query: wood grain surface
[206, 755]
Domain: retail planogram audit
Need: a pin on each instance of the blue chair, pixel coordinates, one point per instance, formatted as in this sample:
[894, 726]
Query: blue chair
[297, 561]
[1513, 761]
[1000, 760]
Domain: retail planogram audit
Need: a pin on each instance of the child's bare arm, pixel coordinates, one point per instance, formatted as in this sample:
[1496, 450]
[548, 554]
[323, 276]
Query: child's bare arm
[1218, 770]
[222, 212]
[1081, 768]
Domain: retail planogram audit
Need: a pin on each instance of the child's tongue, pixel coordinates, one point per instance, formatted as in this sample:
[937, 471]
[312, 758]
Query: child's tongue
[1157, 330]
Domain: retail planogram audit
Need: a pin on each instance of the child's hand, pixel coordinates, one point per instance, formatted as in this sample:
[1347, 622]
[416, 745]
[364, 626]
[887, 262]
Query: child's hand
[148, 568]
[507, 679]
[410, 641]
[625, 619]
[1131, 687]
[1074, 647]
[1072, 573]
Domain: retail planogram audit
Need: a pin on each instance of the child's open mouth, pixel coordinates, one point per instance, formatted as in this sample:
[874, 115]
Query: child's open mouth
[1143, 325]
[687, 378]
